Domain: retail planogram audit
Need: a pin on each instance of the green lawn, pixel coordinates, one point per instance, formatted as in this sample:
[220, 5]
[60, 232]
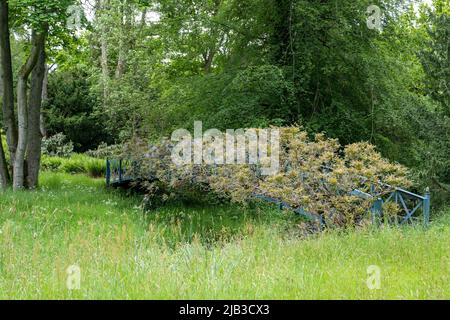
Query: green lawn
[194, 252]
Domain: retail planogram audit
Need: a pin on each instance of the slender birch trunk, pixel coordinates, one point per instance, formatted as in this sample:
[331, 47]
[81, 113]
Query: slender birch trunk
[104, 51]
[38, 41]
[42, 125]
[33, 160]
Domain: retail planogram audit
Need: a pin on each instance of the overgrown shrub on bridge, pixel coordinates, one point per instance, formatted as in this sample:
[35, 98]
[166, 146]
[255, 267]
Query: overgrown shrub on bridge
[316, 174]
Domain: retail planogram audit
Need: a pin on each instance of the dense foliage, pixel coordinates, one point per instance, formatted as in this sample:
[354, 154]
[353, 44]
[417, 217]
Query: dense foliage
[158, 66]
[57, 146]
[72, 109]
[141, 69]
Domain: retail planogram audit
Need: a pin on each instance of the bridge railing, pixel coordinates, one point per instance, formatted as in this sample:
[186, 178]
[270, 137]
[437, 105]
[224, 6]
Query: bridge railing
[409, 203]
[118, 171]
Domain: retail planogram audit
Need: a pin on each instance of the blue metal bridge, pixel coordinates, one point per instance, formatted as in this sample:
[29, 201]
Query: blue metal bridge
[414, 206]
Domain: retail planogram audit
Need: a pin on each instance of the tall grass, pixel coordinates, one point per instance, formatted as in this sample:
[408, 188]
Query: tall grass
[77, 163]
[201, 252]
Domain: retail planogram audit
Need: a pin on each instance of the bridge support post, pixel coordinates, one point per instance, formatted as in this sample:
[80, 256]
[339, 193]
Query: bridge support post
[120, 170]
[377, 211]
[108, 172]
[426, 207]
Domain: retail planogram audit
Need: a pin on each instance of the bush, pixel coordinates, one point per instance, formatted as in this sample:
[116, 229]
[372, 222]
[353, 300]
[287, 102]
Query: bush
[302, 181]
[57, 146]
[73, 166]
[77, 163]
[72, 107]
[104, 151]
[95, 167]
[258, 96]
[51, 163]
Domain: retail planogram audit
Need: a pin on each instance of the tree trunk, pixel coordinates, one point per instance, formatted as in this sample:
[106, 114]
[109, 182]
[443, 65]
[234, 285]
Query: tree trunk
[105, 71]
[126, 37]
[280, 38]
[34, 121]
[42, 126]
[1, 78]
[4, 174]
[143, 19]
[8, 84]
[104, 52]
[208, 58]
[120, 68]
[38, 41]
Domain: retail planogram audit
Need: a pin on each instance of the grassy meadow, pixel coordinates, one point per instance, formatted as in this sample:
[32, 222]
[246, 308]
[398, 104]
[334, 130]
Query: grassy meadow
[201, 252]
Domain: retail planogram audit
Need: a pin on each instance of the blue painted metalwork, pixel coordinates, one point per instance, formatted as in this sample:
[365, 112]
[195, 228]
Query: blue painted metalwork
[283, 205]
[119, 172]
[408, 202]
[108, 172]
[377, 211]
[426, 207]
[361, 194]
